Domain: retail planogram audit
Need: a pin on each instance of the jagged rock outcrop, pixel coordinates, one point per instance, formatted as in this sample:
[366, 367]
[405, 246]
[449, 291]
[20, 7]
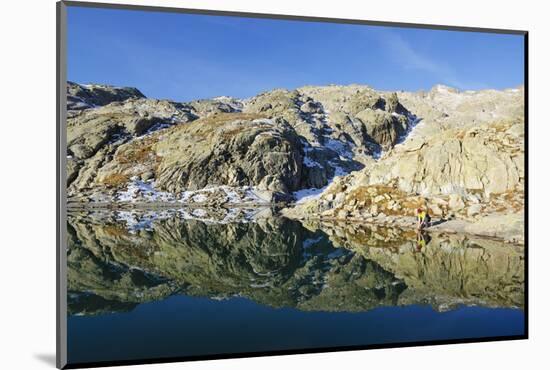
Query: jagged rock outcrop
[485, 159]
[373, 120]
[234, 150]
[94, 135]
[277, 142]
[81, 97]
[469, 173]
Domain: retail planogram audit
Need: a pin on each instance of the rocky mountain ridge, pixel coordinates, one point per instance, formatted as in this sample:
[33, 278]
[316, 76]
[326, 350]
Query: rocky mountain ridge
[280, 141]
[326, 148]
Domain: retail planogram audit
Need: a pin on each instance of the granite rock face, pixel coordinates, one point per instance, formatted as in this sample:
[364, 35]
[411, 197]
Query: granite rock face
[278, 142]
[469, 173]
[466, 164]
[87, 96]
[341, 152]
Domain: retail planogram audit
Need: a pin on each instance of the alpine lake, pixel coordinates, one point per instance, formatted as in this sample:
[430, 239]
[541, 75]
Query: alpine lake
[154, 284]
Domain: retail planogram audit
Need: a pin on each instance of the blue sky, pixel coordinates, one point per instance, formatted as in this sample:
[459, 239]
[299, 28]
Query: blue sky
[184, 56]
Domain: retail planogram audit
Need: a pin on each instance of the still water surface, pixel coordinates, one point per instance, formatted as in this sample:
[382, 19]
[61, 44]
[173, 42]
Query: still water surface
[152, 285]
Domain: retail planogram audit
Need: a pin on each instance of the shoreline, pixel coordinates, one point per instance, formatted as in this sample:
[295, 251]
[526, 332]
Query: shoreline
[165, 205]
[508, 235]
[454, 226]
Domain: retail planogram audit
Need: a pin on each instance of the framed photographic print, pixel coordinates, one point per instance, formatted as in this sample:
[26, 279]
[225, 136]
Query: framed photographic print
[235, 184]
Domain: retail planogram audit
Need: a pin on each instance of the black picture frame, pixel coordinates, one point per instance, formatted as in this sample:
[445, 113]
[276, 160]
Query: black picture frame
[61, 207]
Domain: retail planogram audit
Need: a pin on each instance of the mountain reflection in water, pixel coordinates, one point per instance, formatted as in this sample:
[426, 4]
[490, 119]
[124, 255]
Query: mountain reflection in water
[118, 260]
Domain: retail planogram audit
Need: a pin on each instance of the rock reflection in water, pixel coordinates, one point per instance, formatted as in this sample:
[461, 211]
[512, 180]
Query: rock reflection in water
[116, 262]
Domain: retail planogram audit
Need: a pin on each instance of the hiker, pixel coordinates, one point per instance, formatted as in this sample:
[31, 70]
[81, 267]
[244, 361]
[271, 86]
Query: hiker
[423, 218]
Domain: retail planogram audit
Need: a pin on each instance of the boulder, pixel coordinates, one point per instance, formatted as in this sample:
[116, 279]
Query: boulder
[311, 107]
[382, 127]
[455, 202]
[473, 210]
[435, 210]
